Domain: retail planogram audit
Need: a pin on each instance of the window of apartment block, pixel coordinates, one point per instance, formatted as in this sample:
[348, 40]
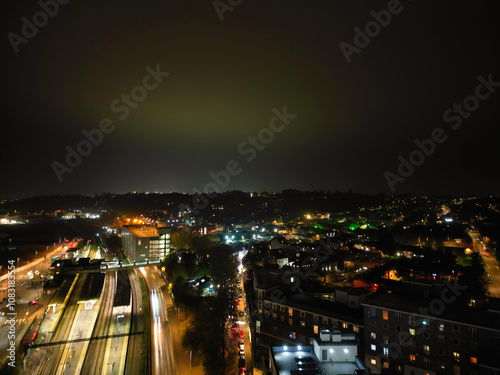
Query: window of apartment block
[266, 314]
[290, 321]
[411, 320]
[427, 362]
[473, 345]
[441, 326]
[373, 323]
[441, 338]
[427, 349]
[386, 351]
[385, 315]
[412, 358]
[266, 304]
[139, 242]
[302, 314]
[373, 347]
[302, 323]
[385, 364]
[472, 332]
[372, 312]
[456, 357]
[325, 320]
[427, 335]
[456, 329]
[345, 325]
[373, 335]
[290, 312]
[413, 346]
[386, 340]
[292, 335]
[282, 318]
[282, 308]
[275, 306]
[259, 304]
[385, 326]
[315, 319]
[275, 316]
[355, 328]
[257, 326]
[441, 351]
[397, 317]
[398, 328]
[260, 311]
[373, 361]
[335, 324]
[413, 331]
[302, 338]
[441, 365]
[399, 368]
[456, 341]
[473, 360]
[315, 329]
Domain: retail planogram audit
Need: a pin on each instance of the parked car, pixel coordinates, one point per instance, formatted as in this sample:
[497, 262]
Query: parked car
[234, 327]
[241, 344]
[241, 334]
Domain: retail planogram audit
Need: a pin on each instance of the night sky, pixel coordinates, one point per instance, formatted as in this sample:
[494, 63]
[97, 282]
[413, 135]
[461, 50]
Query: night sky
[225, 78]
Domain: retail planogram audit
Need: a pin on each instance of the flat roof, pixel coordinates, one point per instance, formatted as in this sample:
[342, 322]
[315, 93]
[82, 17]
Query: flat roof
[139, 231]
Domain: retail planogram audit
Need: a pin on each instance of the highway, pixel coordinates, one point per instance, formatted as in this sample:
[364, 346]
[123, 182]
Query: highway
[490, 264]
[162, 350]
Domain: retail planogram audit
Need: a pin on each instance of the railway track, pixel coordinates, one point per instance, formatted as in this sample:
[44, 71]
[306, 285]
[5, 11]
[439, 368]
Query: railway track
[53, 359]
[94, 358]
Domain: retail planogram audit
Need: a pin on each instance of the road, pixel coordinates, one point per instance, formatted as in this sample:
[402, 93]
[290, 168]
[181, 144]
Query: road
[490, 264]
[162, 350]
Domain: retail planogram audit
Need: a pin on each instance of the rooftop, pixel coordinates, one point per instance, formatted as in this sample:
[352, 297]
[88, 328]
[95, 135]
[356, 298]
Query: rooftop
[139, 231]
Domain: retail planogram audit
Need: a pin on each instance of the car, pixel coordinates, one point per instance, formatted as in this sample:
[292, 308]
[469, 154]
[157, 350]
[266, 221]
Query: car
[236, 308]
[241, 344]
[486, 254]
[242, 352]
[241, 334]
[34, 302]
[243, 371]
[490, 282]
[234, 328]
[240, 297]
[241, 362]
[241, 313]
[236, 299]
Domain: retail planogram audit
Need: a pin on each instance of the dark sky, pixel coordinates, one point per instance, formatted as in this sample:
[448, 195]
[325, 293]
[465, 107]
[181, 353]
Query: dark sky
[353, 120]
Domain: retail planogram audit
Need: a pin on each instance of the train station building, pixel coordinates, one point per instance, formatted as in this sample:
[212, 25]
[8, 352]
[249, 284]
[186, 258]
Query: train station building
[143, 243]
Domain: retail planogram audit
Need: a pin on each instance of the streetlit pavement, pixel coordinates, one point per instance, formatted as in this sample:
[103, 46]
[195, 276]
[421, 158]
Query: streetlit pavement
[490, 264]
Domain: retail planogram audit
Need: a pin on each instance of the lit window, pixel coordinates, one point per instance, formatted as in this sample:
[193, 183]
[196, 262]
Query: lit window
[385, 315]
[427, 349]
[441, 327]
[315, 329]
[345, 325]
[374, 347]
[302, 323]
[473, 360]
[456, 357]
[412, 358]
[385, 364]
[373, 362]
[412, 331]
[290, 312]
[373, 336]
[386, 351]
